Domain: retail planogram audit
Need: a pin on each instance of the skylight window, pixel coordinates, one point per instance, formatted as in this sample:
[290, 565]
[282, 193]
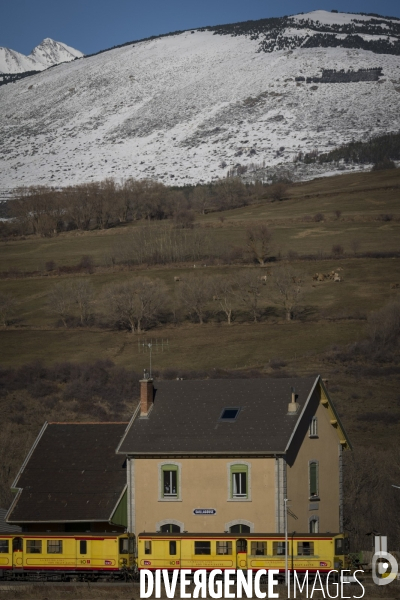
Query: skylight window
[229, 414]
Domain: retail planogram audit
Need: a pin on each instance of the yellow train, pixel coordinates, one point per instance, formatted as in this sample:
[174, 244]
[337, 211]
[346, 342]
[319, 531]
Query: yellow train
[63, 557]
[306, 552]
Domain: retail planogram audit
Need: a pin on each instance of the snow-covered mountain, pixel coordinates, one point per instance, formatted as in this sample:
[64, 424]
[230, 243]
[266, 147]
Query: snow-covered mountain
[50, 52]
[188, 106]
[15, 62]
[45, 55]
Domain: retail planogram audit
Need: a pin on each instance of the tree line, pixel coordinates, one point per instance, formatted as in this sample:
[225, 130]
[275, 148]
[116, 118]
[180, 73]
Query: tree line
[381, 150]
[46, 211]
[140, 303]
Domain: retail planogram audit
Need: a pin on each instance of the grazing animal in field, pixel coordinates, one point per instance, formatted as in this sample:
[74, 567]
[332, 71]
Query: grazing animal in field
[176, 279]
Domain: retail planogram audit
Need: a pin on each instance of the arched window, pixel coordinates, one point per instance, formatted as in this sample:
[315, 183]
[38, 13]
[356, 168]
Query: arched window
[170, 528]
[239, 528]
[314, 525]
[313, 427]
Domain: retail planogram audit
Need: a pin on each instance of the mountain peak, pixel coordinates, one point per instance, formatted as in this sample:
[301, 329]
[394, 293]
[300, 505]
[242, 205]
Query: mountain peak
[50, 52]
[46, 54]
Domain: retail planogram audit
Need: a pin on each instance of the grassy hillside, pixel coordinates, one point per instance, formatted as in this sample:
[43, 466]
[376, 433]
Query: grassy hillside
[358, 212]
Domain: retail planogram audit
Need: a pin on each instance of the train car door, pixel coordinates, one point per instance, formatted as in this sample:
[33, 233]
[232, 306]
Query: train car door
[241, 553]
[83, 556]
[17, 553]
[174, 549]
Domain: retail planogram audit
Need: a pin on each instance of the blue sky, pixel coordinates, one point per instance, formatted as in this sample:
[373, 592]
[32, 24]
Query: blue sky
[92, 25]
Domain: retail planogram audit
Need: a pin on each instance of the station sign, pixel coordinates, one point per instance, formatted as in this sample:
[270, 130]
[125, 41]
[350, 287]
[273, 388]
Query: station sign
[204, 511]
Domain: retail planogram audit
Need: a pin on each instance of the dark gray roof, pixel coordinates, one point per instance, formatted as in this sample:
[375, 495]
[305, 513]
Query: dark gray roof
[72, 474]
[185, 417]
[5, 527]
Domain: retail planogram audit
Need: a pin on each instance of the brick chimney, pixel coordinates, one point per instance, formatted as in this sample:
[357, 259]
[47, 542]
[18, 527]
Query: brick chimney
[146, 395]
[293, 406]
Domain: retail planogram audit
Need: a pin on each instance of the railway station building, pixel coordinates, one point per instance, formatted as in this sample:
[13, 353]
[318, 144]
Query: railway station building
[201, 456]
[223, 455]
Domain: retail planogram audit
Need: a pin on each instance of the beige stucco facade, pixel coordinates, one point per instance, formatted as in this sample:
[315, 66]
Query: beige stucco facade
[326, 450]
[204, 483]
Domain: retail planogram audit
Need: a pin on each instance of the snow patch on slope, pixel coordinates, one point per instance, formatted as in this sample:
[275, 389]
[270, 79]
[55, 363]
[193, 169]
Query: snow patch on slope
[329, 18]
[186, 108]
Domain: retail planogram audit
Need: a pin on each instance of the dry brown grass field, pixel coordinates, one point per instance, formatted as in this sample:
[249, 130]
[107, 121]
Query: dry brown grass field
[360, 212]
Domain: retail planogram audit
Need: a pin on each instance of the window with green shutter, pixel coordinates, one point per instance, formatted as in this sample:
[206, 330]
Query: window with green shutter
[313, 478]
[170, 481]
[239, 481]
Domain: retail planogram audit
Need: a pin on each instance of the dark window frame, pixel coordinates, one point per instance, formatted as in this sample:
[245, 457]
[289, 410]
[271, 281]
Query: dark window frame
[305, 548]
[172, 548]
[83, 547]
[202, 547]
[232, 418]
[54, 546]
[34, 546]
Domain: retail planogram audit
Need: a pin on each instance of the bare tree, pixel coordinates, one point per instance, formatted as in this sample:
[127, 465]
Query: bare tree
[7, 308]
[258, 241]
[195, 293]
[287, 288]
[277, 191]
[201, 199]
[224, 294]
[136, 302]
[83, 296]
[249, 288]
[60, 300]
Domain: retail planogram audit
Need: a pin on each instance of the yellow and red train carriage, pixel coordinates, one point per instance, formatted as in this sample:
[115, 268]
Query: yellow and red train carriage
[66, 556]
[305, 552]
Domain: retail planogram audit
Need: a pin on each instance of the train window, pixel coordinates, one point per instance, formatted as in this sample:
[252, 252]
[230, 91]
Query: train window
[305, 548]
[172, 548]
[202, 547]
[224, 547]
[241, 546]
[54, 546]
[259, 548]
[123, 546]
[17, 544]
[83, 547]
[147, 547]
[34, 546]
[278, 548]
[339, 546]
[131, 545]
[3, 546]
